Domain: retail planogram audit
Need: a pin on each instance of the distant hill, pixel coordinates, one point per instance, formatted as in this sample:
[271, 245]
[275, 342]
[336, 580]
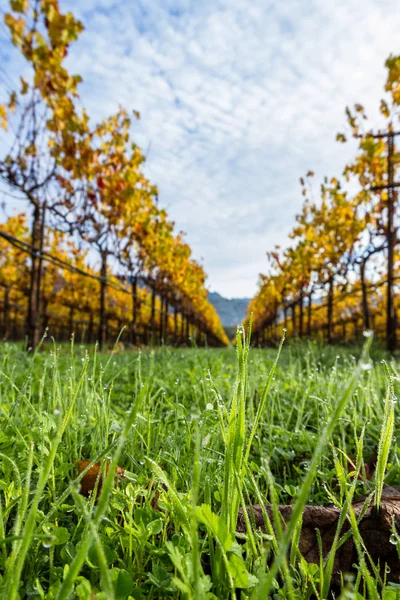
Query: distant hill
[231, 311]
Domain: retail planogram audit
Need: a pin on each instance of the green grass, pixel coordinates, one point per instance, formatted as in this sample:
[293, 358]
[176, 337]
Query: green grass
[219, 429]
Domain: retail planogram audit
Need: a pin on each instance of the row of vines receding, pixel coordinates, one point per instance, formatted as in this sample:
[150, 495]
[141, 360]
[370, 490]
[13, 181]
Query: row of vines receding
[92, 251]
[338, 279]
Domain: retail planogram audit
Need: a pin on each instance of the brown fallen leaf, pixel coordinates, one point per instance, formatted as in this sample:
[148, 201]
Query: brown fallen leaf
[88, 481]
[375, 529]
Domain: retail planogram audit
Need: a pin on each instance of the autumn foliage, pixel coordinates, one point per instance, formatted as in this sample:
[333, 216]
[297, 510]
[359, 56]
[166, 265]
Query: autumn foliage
[86, 190]
[338, 278]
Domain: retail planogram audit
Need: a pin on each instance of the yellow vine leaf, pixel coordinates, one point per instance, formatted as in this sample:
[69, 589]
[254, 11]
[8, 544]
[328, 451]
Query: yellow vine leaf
[3, 116]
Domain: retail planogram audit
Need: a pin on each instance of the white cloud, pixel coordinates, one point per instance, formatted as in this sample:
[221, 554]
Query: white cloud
[238, 100]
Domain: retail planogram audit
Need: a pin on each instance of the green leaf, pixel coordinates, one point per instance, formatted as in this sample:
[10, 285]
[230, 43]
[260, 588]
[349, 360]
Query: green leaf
[83, 590]
[123, 583]
[110, 554]
[239, 573]
[61, 536]
[155, 527]
[216, 525]
[136, 594]
[159, 576]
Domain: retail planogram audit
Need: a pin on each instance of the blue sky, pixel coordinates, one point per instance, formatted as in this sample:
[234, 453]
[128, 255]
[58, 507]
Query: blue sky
[238, 99]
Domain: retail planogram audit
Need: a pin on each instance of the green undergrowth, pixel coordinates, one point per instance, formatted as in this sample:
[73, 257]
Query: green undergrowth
[199, 433]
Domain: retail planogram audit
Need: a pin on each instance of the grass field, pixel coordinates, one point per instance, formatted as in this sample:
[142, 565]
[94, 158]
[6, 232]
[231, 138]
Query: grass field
[199, 433]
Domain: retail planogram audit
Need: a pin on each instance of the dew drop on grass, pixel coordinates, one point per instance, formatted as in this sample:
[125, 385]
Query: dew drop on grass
[387, 569]
[368, 333]
[366, 365]
[394, 539]
[209, 406]
[57, 411]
